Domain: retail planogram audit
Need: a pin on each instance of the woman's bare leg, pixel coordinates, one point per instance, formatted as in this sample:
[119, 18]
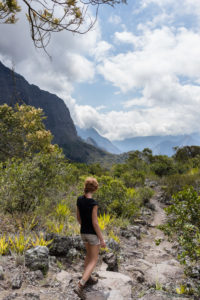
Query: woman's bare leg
[87, 258]
[90, 260]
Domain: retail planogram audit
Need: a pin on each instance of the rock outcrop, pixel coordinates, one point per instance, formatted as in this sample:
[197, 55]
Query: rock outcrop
[37, 259]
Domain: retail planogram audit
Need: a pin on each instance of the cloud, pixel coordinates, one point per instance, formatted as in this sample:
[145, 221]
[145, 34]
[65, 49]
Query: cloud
[163, 66]
[101, 50]
[115, 19]
[157, 54]
[71, 56]
[114, 125]
[126, 37]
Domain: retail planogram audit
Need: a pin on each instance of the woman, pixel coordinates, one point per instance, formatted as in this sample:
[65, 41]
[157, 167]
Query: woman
[90, 233]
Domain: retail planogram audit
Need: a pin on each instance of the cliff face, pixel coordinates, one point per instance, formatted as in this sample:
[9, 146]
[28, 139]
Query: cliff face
[15, 89]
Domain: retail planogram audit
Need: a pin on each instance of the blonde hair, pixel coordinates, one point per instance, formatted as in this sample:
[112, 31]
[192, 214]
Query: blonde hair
[91, 185]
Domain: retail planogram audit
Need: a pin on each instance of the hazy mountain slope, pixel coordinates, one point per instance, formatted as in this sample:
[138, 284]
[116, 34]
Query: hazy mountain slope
[101, 141]
[159, 144]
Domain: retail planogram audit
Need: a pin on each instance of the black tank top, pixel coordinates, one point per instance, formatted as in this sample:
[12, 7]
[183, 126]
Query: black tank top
[85, 206]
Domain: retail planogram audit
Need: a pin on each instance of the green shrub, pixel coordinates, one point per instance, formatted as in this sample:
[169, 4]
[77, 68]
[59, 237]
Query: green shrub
[133, 178]
[111, 195]
[175, 183]
[163, 166]
[184, 223]
[25, 184]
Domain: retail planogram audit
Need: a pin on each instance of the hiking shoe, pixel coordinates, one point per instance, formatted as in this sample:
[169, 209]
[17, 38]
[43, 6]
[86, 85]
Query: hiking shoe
[79, 290]
[92, 280]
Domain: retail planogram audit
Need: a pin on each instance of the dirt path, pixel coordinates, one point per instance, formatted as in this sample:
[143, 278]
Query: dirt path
[152, 265]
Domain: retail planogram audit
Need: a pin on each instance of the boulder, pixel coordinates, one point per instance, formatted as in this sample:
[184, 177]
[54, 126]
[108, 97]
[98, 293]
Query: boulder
[64, 277]
[38, 275]
[164, 272]
[61, 245]
[111, 260]
[131, 231]
[72, 253]
[37, 259]
[116, 283]
[31, 296]
[17, 281]
[126, 233]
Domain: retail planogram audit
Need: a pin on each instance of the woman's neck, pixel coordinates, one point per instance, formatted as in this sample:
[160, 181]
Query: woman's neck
[88, 195]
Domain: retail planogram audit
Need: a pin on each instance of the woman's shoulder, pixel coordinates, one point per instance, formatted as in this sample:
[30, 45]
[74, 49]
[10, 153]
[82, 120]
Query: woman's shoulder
[94, 202]
[79, 199]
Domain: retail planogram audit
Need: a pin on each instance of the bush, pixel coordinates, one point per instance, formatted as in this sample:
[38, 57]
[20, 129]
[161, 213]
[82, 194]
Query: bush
[24, 185]
[111, 195]
[184, 223]
[133, 179]
[163, 166]
[175, 183]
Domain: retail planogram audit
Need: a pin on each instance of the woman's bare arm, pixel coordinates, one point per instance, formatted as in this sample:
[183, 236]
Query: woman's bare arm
[96, 226]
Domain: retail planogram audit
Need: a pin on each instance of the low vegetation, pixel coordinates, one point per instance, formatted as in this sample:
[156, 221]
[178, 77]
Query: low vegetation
[39, 188]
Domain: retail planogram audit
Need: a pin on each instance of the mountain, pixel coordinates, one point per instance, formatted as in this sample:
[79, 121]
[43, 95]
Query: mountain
[100, 141]
[15, 89]
[158, 144]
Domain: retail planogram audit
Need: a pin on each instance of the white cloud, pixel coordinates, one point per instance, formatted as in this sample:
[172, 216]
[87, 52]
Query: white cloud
[101, 50]
[165, 67]
[126, 37]
[158, 53]
[100, 107]
[177, 119]
[114, 19]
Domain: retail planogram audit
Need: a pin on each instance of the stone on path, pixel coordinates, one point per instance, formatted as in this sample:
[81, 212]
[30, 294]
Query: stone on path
[111, 260]
[17, 281]
[120, 283]
[64, 278]
[37, 259]
[163, 273]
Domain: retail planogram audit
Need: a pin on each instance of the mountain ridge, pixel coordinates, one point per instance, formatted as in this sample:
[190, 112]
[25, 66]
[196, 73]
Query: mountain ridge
[101, 142]
[14, 88]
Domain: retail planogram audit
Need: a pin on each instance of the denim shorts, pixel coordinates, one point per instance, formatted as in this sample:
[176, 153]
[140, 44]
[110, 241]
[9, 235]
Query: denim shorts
[91, 239]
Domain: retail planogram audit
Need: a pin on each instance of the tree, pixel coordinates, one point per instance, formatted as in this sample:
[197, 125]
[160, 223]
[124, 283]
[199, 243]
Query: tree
[45, 17]
[22, 132]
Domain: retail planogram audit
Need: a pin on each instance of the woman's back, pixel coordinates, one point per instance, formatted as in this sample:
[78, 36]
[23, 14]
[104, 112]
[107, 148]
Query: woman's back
[85, 206]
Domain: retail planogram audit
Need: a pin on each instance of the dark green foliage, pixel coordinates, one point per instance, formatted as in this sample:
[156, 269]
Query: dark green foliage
[27, 184]
[185, 153]
[163, 165]
[184, 223]
[133, 178]
[175, 183]
[111, 195]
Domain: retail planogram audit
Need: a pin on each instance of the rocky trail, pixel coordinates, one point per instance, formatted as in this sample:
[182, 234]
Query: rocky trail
[140, 269]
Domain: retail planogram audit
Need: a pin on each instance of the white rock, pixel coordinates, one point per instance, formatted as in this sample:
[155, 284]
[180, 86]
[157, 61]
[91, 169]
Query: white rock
[119, 283]
[163, 273]
[64, 277]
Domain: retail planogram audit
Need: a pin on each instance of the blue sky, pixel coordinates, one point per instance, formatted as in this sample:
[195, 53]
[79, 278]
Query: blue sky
[137, 73]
